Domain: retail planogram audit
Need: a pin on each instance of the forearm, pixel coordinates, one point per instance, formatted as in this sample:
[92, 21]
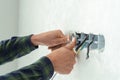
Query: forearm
[40, 70]
[15, 48]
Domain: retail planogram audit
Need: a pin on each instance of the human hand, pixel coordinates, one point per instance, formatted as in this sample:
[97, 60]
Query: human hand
[63, 59]
[51, 38]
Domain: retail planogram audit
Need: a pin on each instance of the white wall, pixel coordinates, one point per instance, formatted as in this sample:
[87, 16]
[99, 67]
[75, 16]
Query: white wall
[8, 27]
[96, 16]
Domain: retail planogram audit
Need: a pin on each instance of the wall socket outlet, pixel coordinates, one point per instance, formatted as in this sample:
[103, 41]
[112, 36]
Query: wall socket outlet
[89, 41]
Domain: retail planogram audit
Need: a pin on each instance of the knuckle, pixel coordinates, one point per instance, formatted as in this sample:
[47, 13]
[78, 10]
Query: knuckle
[68, 71]
[74, 62]
[59, 31]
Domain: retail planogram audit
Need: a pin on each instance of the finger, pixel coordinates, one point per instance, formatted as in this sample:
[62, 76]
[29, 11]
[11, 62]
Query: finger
[72, 44]
[60, 45]
[58, 41]
[74, 61]
[56, 47]
[60, 33]
[74, 54]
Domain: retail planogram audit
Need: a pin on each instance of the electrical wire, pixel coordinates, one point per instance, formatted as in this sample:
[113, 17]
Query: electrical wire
[88, 47]
[79, 45]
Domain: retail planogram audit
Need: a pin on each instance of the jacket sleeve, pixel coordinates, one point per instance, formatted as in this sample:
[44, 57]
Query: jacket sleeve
[15, 47]
[40, 70]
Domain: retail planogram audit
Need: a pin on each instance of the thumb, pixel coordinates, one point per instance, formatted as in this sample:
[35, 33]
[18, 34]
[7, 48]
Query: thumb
[72, 44]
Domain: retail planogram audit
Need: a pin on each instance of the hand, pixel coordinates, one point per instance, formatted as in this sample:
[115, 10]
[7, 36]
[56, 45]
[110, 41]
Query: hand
[51, 38]
[63, 59]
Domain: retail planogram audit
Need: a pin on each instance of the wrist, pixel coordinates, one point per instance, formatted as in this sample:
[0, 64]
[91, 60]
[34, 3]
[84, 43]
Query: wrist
[33, 40]
[37, 40]
[47, 67]
[52, 59]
